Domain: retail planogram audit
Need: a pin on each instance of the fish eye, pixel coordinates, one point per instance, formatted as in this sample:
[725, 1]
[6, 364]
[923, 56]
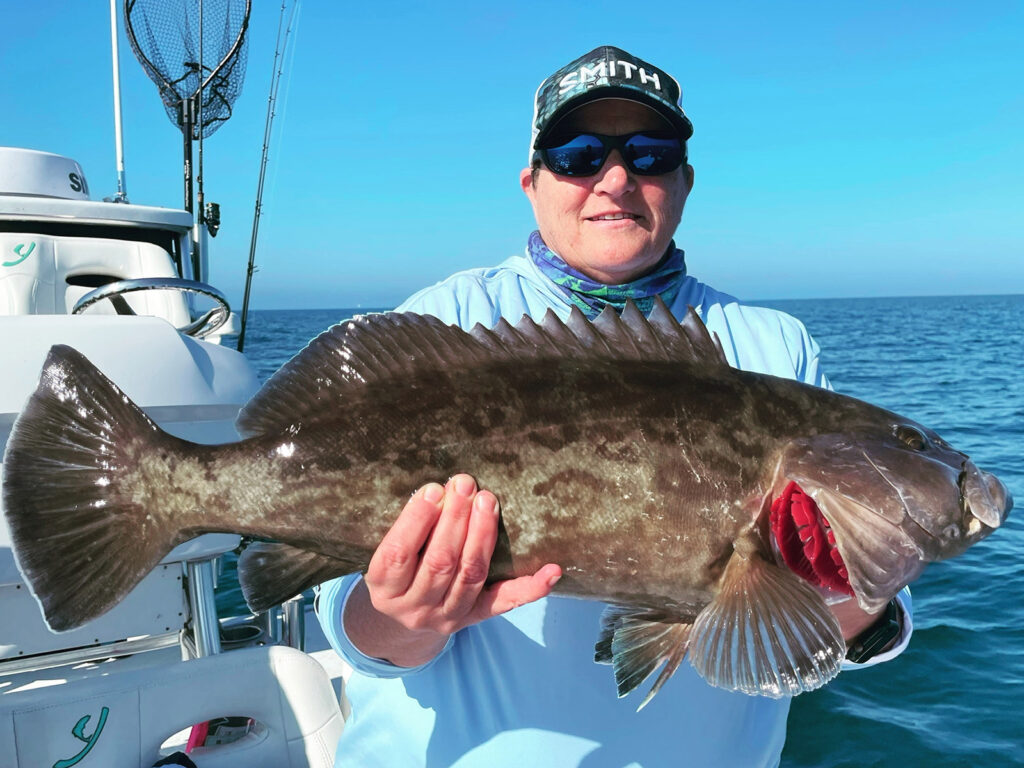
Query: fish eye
[950, 533]
[911, 437]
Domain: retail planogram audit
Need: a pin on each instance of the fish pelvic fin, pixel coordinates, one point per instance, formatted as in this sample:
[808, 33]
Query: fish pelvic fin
[270, 573]
[767, 632]
[636, 642]
[80, 539]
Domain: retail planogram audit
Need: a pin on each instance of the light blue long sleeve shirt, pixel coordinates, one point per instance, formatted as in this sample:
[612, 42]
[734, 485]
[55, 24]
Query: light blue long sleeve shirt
[522, 689]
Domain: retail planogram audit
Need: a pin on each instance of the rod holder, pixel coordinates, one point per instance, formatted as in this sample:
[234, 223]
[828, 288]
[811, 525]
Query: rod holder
[293, 623]
[205, 627]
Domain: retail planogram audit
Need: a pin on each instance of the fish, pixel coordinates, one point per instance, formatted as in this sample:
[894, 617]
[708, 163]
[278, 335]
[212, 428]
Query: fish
[714, 511]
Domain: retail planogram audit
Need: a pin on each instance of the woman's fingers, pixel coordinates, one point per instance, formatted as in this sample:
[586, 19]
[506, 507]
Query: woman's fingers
[394, 565]
[431, 568]
[505, 595]
[439, 562]
[475, 562]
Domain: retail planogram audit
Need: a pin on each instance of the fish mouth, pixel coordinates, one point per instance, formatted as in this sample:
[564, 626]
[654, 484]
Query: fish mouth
[983, 498]
[804, 540]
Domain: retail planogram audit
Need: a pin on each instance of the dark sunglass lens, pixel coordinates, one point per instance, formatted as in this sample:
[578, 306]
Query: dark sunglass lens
[653, 155]
[580, 156]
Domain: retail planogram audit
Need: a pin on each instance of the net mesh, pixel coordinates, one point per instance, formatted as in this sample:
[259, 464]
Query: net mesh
[164, 35]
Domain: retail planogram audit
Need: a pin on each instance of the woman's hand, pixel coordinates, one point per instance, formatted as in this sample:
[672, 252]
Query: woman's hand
[427, 578]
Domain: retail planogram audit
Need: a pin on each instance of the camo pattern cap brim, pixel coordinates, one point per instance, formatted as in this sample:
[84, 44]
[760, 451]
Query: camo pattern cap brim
[607, 73]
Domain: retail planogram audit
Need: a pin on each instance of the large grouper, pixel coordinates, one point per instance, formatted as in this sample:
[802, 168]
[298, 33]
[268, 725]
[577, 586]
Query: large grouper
[712, 509]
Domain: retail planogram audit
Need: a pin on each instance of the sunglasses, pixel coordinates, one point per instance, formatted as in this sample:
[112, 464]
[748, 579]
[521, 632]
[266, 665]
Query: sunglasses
[646, 153]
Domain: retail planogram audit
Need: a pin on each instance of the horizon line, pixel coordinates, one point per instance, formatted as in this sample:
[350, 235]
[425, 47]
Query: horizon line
[379, 307]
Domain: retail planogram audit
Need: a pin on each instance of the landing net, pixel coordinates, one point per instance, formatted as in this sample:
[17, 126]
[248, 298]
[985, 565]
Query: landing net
[165, 37]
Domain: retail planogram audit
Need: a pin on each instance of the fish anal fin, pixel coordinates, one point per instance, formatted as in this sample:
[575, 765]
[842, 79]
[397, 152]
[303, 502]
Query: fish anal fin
[636, 642]
[270, 573]
[767, 632]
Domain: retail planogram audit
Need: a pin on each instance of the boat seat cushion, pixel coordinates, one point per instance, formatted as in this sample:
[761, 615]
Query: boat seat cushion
[123, 718]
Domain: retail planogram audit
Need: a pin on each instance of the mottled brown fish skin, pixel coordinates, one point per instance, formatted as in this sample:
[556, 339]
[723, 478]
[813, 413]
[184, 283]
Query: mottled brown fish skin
[635, 478]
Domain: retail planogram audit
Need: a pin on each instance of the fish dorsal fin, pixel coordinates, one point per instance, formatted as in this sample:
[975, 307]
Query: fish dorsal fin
[371, 350]
[349, 358]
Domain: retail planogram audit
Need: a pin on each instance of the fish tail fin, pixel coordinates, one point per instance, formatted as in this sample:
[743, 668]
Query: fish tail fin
[81, 537]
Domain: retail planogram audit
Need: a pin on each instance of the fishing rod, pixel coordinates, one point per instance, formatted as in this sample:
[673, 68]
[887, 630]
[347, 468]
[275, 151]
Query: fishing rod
[275, 82]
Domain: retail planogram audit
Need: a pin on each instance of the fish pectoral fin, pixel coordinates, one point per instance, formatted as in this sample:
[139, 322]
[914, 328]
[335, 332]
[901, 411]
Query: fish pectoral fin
[636, 642]
[270, 573]
[766, 633]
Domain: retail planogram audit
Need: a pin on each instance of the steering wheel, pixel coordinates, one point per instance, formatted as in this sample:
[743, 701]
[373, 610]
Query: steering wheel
[204, 326]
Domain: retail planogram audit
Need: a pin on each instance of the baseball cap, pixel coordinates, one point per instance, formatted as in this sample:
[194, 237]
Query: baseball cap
[607, 72]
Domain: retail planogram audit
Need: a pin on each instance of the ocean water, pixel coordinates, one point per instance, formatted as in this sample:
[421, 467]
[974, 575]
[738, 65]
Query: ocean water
[955, 364]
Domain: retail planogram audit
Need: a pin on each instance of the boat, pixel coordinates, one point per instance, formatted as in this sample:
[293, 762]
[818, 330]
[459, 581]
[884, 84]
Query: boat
[162, 674]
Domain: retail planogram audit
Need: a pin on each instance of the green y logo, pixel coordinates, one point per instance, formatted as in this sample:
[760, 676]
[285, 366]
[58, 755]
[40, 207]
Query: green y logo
[21, 256]
[90, 741]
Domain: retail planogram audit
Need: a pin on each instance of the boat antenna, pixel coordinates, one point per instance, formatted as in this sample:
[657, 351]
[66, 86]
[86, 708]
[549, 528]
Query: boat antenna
[172, 52]
[275, 81]
[122, 186]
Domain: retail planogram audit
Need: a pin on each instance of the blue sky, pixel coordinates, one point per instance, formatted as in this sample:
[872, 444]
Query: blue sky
[841, 149]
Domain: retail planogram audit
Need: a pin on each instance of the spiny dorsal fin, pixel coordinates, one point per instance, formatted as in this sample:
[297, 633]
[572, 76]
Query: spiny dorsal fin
[370, 350]
[582, 329]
